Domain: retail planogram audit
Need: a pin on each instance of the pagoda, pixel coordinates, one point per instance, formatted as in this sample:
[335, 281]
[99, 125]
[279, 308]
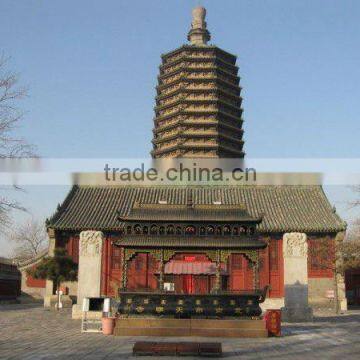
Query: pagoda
[198, 104]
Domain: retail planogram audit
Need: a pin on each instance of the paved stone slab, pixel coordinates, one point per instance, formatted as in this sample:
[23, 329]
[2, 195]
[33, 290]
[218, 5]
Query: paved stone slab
[28, 332]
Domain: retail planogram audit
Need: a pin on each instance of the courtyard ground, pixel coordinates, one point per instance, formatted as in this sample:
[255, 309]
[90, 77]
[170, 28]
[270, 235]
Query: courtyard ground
[30, 332]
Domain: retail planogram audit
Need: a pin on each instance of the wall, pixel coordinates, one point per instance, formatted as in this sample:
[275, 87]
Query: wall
[32, 287]
[321, 266]
[317, 292]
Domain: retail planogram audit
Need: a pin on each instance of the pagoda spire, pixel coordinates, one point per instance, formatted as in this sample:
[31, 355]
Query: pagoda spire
[198, 34]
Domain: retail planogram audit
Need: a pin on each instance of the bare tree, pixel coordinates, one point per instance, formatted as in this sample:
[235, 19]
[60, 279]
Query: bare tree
[11, 146]
[350, 248]
[29, 239]
[356, 202]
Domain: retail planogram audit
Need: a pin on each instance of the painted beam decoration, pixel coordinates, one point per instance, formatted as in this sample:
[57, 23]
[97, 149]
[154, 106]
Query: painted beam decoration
[245, 304]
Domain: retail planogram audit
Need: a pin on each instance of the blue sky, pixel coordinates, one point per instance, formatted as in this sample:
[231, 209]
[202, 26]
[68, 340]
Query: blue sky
[91, 69]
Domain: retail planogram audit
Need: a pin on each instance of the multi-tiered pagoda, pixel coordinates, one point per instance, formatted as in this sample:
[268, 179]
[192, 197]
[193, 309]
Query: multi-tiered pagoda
[198, 104]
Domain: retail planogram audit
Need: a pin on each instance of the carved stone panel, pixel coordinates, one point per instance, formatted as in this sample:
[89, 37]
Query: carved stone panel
[90, 243]
[295, 244]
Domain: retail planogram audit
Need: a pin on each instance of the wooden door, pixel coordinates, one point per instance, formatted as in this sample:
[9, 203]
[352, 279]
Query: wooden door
[276, 268]
[237, 278]
[242, 273]
[188, 284]
[201, 284]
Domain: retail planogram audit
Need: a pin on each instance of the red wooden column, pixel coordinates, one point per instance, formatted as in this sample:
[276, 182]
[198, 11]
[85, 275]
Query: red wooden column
[264, 273]
[256, 271]
[161, 271]
[105, 267]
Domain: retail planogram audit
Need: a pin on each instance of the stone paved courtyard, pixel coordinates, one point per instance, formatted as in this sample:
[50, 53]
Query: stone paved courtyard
[30, 332]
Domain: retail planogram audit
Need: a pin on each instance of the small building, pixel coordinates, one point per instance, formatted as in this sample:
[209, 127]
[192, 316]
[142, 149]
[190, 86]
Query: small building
[10, 280]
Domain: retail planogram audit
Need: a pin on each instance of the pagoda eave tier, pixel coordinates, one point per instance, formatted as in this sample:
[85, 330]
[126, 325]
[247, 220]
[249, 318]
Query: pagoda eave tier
[191, 69]
[231, 152]
[186, 79]
[198, 112]
[197, 134]
[205, 59]
[209, 122]
[190, 91]
[192, 48]
[201, 102]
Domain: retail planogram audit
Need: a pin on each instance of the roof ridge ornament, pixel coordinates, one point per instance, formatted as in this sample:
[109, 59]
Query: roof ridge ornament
[198, 34]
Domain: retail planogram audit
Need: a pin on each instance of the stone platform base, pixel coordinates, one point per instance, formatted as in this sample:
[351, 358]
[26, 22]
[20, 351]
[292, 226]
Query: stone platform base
[190, 327]
[297, 314]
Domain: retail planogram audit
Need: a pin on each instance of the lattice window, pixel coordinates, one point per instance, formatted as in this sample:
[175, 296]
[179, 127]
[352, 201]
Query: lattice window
[116, 258]
[153, 264]
[274, 255]
[139, 262]
[321, 256]
[237, 261]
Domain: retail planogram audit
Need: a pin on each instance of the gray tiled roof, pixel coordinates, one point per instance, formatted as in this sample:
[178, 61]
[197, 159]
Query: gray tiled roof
[234, 242]
[283, 208]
